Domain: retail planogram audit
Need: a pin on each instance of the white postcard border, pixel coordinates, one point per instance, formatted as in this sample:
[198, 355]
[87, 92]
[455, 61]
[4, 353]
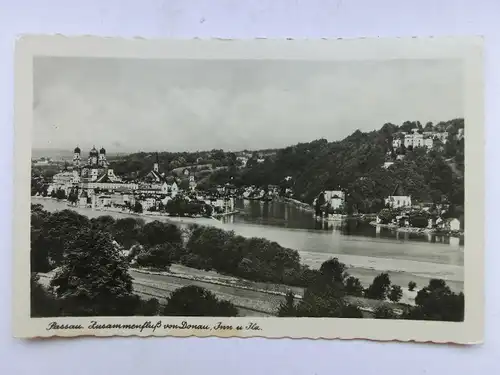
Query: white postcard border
[467, 49]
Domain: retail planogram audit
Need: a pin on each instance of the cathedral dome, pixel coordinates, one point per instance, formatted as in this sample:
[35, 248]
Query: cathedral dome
[77, 150]
[93, 152]
[102, 150]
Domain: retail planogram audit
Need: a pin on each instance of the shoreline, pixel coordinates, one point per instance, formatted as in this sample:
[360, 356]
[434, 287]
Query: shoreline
[416, 230]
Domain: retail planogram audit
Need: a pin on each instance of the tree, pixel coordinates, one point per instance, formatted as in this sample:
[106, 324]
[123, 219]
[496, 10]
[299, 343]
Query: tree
[105, 223]
[150, 307]
[334, 271]
[60, 194]
[353, 287]
[73, 196]
[322, 300]
[287, 308]
[437, 302]
[193, 300]
[93, 278]
[158, 257]
[379, 288]
[411, 286]
[127, 231]
[160, 233]
[138, 207]
[395, 293]
[177, 206]
[40, 251]
[386, 216]
[43, 302]
[184, 184]
[50, 233]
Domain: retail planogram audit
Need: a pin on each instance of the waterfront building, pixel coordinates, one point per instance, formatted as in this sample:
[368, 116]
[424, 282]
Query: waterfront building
[334, 198]
[398, 199]
[452, 224]
[63, 180]
[87, 178]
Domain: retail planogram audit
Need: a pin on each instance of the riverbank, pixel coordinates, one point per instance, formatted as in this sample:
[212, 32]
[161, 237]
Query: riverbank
[299, 204]
[416, 230]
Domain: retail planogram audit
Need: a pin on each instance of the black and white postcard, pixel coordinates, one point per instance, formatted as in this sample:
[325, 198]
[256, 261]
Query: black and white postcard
[249, 188]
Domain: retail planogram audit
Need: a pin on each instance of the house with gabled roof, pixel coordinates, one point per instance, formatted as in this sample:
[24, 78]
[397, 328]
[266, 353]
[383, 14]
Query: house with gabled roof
[398, 198]
[154, 176]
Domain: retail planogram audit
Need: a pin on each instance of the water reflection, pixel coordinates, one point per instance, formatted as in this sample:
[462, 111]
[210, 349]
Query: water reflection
[286, 215]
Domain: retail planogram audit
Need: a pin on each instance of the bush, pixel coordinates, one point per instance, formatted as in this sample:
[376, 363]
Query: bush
[384, 312]
[252, 258]
[395, 293]
[158, 257]
[437, 302]
[196, 301]
[138, 207]
[353, 287]
[160, 233]
[419, 221]
[412, 285]
[385, 216]
[60, 194]
[323, 300]
[379, 288]
[149, 307]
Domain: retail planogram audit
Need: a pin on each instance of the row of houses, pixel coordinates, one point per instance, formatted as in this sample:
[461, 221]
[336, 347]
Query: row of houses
[419, 138]
[331, 202]
[404, 220]
[94, 184]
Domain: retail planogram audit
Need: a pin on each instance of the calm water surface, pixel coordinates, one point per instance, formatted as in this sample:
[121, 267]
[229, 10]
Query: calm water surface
[286, 223]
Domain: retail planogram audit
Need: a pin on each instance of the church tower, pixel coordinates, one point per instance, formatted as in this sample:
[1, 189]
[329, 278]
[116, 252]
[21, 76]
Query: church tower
[93, 155]
[156, 165]
[76, 157]
[102, 157]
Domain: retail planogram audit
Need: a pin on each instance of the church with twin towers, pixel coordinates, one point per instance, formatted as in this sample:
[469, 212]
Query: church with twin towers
[95, 159]
[94, 169]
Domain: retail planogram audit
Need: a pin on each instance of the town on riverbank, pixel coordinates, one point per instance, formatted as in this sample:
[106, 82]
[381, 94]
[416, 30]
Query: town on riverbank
[407, 178]
[206, 184]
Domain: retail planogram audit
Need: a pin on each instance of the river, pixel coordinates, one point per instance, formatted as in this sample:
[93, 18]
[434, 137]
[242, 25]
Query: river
[365, 249]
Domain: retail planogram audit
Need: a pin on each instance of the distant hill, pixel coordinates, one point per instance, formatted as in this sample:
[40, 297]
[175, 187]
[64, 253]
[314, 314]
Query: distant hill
[354, 164]
[54, 154]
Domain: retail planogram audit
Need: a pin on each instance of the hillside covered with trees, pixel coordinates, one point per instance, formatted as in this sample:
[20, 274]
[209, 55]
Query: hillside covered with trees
[354, 164]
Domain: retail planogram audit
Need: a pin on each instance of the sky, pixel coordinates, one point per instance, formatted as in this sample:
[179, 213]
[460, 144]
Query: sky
[129, 105]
